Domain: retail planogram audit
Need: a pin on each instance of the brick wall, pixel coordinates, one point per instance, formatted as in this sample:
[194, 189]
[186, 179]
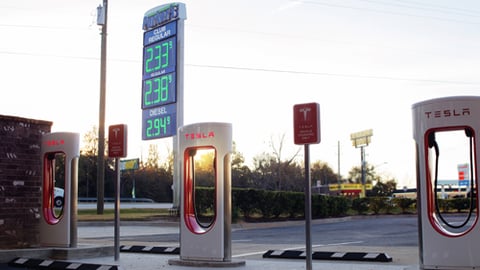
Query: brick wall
[20, 180]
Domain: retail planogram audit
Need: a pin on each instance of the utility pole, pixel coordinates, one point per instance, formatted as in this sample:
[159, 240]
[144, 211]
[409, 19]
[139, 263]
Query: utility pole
[338, 161]
[102, 21]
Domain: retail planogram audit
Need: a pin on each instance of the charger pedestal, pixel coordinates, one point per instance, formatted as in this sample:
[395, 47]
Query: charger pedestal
[205, 239]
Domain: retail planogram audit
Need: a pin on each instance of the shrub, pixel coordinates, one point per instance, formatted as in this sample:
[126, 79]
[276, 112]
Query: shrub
[460, 204]
[339, 205]
[377, 204]
[360, 205]
[404, 203]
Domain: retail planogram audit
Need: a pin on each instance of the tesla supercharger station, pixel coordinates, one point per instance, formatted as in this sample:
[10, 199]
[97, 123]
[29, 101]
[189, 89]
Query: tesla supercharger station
[445, 131]
[60, 152]
[207, 147]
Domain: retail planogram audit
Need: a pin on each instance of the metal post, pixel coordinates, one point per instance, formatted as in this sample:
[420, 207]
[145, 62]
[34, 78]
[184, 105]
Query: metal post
[308, 210]
[180, 107]
[339, 177]
[101, 120]
[117, 211]
[73, 203]
[362, 160]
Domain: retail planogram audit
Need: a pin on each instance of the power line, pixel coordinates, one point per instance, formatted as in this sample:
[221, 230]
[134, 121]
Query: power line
[49, 55]
[386, 12]
[423, 7]
[334, 74]
[252, 69]
[46, 27]
[440, 7]
[67, 56]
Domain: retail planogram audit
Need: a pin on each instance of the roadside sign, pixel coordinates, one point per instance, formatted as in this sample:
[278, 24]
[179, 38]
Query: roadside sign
[129, 164]
[117, 141]
[306, 123]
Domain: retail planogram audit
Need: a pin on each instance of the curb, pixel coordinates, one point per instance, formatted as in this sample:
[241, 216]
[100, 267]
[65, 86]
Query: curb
[325, 255]
[150, 249]
[51, 264]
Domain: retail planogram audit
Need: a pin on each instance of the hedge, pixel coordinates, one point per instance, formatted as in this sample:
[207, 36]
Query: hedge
[266, 204]
[254, 204]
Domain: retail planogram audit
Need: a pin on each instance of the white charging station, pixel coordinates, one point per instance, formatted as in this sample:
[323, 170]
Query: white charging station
[205, 240]
[60, 152]
[445, 132]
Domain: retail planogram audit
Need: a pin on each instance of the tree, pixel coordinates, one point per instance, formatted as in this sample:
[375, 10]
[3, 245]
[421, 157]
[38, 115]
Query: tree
[270, 174]
[282, 170]
[87, 165]
[153, 156]
[241, 174]
[355, 174]
[384, 189]
[321, 171]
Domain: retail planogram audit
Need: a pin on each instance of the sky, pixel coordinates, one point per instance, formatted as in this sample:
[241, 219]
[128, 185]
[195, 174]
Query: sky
[366, 62]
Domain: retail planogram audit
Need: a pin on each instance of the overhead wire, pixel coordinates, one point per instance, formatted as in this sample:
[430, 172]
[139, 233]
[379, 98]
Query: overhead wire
[358, 76]
[376, 10]
[468, 12]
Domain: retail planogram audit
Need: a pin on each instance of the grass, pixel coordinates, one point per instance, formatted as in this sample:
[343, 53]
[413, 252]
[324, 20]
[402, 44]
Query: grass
[125, 214]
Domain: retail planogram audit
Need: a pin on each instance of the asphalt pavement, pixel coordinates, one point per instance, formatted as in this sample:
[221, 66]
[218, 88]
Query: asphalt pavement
[245, 255]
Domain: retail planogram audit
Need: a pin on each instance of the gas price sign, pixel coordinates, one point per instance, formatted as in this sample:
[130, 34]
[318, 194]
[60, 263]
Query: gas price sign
[159, 77]
[159, 122]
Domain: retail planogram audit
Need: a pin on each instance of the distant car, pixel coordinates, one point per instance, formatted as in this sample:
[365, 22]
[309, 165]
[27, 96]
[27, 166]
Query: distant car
[58, 197]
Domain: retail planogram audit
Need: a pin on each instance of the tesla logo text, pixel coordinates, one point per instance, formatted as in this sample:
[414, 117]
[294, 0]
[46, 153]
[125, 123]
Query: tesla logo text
[54, 142]
[448, 113]
[199, 135]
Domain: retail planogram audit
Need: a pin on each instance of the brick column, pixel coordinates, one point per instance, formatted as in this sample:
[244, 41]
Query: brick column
[20, 180]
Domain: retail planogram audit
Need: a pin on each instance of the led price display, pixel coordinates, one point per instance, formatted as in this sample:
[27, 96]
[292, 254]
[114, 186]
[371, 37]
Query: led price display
[159, 58]
[159, 91]
[159, 122]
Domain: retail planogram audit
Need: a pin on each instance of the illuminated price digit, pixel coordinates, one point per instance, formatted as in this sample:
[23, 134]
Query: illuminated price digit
[165, 123]
[167, 46]
[162, 125]
[156, 125]
[149, 128]
[157, 90]
[158, 49]
[148, 60]
[146, 98]
[163, 85]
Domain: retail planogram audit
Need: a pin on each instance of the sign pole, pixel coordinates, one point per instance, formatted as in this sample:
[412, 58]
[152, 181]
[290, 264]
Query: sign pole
[306, 129]
[308, 209]
[117, 148]
[117, 211]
